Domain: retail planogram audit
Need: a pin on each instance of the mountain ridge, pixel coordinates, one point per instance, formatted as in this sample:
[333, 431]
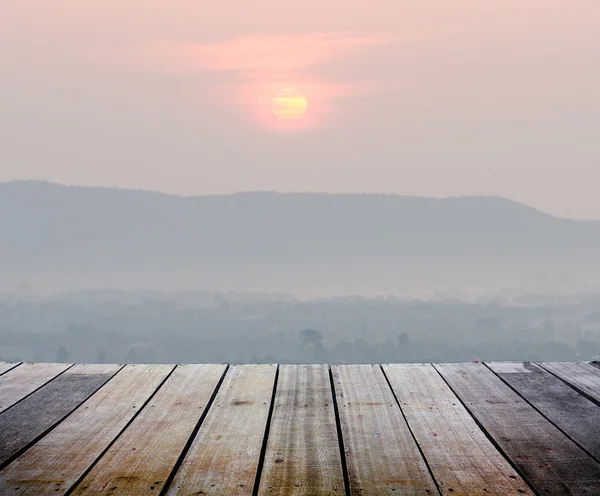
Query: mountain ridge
[49, 185]
[262, 236]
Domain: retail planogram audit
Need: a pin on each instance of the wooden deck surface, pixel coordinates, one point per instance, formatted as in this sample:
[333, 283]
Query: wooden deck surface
[407, 429]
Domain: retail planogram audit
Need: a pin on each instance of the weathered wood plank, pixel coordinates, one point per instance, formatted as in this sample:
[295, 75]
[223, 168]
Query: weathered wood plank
[573, 413]
[303, 455]
[381, 454]
[59, 459]
[582, 376]
[223, 458]
[5, 367]
[548, 459]
[143, 457]
[29, 419]
[24, 380]
[462, 459]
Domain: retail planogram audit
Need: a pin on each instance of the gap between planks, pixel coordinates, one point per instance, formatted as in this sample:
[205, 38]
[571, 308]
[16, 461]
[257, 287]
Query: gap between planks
[581, 376]
[163, 425]
[459, 454]
[545, 457]
[223, 456]
[572, 413]
[31, 419]
[20, 382]
[5, 367]
[55, 463]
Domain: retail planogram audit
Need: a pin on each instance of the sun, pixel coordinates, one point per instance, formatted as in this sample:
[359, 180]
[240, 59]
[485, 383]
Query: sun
[289, 104]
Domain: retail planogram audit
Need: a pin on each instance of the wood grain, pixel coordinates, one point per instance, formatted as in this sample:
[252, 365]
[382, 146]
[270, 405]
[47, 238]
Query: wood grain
[24, 380]
[59, 459]
[29, 419]
[148, 430]
[303, 455]
[582, 376]
[223, 458]
[381, 454]
[550, 461]
[5, 367]
[143, 457]
[571, 412]
[462, 459]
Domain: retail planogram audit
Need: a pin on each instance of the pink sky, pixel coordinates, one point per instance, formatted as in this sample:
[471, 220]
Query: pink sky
[428, 98]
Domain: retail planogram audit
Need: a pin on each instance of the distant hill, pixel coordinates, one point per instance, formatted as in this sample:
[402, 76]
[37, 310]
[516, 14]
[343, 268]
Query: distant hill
[275, 241]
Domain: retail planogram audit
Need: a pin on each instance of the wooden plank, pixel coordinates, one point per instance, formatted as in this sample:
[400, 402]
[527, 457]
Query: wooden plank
[572, 413]
[302, 454]
[462, 459]
[381, 454]
[24, 380]
[143, 457]
[223, 458]
[582, 376]
[5, 367]
[59, 459]
[29, 419]
[548, 459]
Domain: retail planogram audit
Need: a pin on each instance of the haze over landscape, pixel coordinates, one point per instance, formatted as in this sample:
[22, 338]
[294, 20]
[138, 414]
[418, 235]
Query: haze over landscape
[322, 181]
[57, 238]
[112, 275]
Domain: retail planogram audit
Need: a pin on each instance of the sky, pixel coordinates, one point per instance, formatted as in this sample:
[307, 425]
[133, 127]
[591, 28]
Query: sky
[419, 97]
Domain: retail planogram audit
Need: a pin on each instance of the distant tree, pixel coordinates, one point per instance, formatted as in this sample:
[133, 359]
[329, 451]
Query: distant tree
[403, 341]
[313, 341]
[310, 338]
[62, 355]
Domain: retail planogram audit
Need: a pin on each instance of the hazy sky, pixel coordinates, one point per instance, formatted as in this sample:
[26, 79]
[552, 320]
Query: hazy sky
[419, 97]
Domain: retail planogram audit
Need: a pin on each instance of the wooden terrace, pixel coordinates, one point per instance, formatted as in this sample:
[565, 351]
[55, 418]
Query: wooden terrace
[392, 429]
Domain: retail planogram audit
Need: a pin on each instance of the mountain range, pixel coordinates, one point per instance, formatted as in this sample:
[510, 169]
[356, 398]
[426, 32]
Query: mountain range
[63, 237]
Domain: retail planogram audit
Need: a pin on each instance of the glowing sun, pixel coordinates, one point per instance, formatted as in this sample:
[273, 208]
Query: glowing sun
[289, 104]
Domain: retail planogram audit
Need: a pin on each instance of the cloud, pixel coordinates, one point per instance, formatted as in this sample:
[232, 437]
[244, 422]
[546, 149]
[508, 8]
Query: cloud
[259, 66]
[267, 54]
